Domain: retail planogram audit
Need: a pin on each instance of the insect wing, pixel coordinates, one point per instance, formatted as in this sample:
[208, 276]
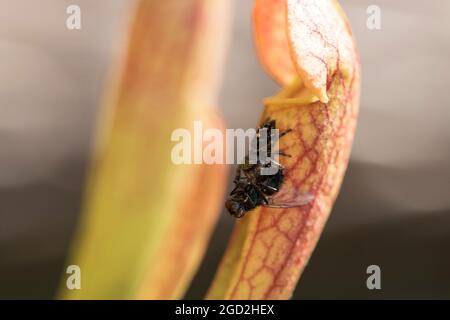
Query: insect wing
[290, 199]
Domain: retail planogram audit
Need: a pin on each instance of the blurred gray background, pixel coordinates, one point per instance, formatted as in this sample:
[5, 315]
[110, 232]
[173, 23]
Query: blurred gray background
[393, 209]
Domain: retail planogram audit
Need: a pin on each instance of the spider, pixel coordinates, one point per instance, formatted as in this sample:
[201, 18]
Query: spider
[252, 188]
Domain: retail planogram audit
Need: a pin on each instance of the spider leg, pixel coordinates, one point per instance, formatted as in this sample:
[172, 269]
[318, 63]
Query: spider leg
[284, 133]
[271, 188]
[238, 175]
[262, 194]
[270, 141]
[266, 122]
[234, 190]
[282, 153]
[276, 163]
[248, 198]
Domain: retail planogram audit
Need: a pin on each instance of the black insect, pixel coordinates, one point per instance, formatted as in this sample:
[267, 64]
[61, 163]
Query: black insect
[252, 188]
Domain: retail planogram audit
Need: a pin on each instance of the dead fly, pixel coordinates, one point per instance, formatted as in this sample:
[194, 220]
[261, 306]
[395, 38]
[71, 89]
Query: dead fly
[252, 188]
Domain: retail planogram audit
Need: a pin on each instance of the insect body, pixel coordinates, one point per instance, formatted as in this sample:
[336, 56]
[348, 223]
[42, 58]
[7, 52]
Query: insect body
[252, 188]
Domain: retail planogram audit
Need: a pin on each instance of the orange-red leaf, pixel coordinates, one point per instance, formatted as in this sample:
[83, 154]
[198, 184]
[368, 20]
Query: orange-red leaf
[270, 247]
